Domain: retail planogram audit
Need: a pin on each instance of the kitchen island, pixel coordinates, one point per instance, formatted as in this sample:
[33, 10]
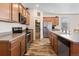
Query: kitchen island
[64, 44]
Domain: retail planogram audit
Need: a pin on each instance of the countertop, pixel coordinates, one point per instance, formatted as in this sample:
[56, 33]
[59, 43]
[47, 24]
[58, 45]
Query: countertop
[10, 36]
[73, 37]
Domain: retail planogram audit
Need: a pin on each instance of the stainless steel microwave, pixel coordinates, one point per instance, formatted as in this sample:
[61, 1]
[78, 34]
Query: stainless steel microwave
[22, 19]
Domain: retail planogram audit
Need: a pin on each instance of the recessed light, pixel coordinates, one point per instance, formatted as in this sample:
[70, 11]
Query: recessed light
[37, 5]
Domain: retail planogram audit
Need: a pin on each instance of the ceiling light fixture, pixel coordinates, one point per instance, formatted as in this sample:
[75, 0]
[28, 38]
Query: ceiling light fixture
[37, 5]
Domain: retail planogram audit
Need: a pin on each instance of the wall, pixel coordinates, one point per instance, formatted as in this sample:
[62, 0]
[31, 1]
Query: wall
[73, 20]
[33, 17]
[32, 22]
[7, 27]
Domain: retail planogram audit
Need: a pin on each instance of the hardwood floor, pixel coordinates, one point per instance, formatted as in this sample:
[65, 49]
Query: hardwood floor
[40, 48]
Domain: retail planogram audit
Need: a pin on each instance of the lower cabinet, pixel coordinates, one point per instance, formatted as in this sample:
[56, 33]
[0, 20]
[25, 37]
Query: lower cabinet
[53, 41]
[16, 47]
[74, 49]
[4, 48]
[22, 45]
[62, 46]
[55, 44]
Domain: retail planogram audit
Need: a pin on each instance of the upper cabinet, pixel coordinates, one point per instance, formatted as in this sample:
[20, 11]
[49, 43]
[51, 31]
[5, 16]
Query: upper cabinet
[56, 21]
[5, 11]
[27, 17]
[53, 20]
[15, 12]
[24, 12]
[20, 8]
[10, 12]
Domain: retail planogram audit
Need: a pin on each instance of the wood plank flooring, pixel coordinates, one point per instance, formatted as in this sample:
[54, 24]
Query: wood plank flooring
[40, 48]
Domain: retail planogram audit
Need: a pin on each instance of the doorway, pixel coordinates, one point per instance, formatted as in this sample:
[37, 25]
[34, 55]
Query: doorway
[37, 29]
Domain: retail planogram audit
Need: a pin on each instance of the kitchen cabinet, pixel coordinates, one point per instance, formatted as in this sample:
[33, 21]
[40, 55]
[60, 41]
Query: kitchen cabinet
[15, 12]
[24, 12]
[47, 19]
[53, 20]
[74, 49]
[53, 41]
[5, 11]
[22, 44]
[10, 48]
[10, 12]
[63, 46]
[27, 17]
[20, 8]
[18, 46]
[56, 21]
[60, 45]
[55, 44]
[4, 48]
[14, 47]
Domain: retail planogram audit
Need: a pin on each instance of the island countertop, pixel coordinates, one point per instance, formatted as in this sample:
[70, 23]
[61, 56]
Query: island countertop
[72, 37]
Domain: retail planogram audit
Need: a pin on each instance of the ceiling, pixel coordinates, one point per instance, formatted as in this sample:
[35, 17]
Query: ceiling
[67, 8]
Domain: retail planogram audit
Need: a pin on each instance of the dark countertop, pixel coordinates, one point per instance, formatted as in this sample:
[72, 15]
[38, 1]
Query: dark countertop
[10, 36]
[72, 37]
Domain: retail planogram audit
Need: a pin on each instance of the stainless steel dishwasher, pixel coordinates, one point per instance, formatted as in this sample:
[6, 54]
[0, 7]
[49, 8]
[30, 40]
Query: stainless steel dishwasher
[63, 47]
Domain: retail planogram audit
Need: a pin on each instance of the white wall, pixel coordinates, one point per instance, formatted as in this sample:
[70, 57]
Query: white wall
[7, 27]
[41, 28]
[72, 19]
[33, 17]
[32, 22]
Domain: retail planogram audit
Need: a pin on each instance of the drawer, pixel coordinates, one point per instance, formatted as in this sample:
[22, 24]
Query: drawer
[14, 43]
[15, 51]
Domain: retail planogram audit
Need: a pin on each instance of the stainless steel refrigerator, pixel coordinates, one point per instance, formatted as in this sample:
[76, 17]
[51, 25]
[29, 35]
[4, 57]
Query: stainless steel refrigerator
[46, 26]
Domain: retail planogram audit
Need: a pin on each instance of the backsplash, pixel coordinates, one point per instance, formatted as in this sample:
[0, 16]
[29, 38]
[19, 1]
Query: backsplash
[7, 27]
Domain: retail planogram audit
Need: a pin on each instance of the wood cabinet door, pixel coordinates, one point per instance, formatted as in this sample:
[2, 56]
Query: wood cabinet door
[47, 19]
[44, 19]
[49, 35]
[15, 48]
[5, 11]
[55, 44]
[56, 21]
[52, 41]
[53, 20]
[24, 12]
[27, 18]
[15, 12]
[20, 8]
[74, 49]
[22, 44]
[4, 48]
